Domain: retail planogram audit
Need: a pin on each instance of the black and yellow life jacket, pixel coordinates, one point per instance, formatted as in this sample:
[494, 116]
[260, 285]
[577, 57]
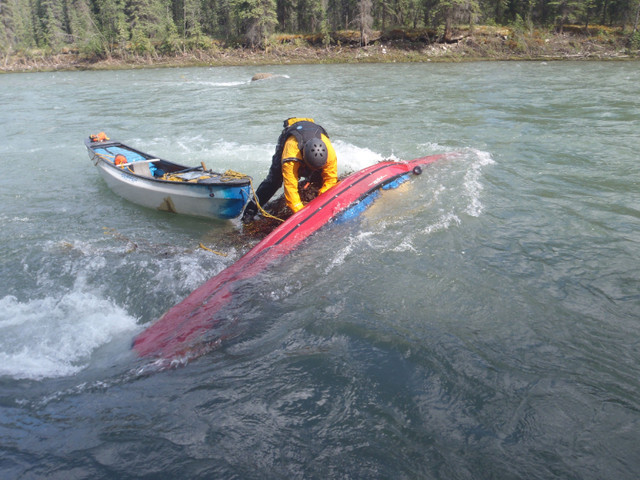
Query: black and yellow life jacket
[303, 129]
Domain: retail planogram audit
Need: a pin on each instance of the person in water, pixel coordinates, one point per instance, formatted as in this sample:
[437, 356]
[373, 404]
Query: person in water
[303, 151]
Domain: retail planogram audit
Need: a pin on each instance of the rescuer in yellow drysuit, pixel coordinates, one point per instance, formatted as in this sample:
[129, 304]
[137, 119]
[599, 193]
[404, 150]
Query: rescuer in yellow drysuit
[303, 150]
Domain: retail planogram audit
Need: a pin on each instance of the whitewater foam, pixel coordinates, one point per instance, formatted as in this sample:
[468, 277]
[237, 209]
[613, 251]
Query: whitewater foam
[54, 337]
[472, 185]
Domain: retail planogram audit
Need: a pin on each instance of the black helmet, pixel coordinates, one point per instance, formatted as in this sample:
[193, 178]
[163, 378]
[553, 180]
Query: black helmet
[315, 154]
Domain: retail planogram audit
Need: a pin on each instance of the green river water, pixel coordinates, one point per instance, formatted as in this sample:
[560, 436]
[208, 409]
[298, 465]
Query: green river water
[480, 322]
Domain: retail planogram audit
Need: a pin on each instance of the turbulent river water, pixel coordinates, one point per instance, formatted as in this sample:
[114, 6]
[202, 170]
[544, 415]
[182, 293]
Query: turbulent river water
[479, 322]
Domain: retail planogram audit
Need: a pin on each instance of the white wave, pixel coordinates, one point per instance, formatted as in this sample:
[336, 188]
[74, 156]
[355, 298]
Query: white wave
[472, 184]
[443, 222]
[54, 337]
[253, 158]
[5, 218]
[235, 83]
[431, 148]
[192, 270]
[235, 153]
[344, 252]
[217, 153]
[405, 246]
[354, 158]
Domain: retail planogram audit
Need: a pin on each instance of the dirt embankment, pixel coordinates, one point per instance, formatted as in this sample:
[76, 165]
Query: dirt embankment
[479, 43]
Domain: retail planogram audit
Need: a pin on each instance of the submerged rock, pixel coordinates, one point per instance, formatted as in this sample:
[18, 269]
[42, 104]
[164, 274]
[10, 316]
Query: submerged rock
[261, 76]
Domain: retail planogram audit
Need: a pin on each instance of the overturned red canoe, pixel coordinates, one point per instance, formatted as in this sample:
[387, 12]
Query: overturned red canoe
[177, 333]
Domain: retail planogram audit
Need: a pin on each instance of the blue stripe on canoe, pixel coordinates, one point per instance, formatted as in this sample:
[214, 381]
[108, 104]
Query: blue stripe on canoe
[363, 204]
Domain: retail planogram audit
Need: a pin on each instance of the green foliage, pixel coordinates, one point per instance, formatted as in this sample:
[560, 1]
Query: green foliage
[171, 43]
[93, 47]
[634, 40]
[326, 33]
[80, 24]
[256, 19]
[450, 12]
[569, 11]
[112, 24]
[520, 26]
[15, 20]
[140, 42]
[51, 31]
[116, 27]
[200, 42]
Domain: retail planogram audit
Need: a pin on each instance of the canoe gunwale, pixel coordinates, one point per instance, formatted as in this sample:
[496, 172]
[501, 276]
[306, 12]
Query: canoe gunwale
[98, 158]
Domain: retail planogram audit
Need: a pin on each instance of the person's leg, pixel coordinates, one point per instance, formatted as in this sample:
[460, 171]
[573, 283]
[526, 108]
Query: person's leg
[265, 191]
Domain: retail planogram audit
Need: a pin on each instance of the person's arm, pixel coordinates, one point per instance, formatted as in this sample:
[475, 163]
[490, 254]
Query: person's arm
[290, 180]
[330, 170]
[291, 155]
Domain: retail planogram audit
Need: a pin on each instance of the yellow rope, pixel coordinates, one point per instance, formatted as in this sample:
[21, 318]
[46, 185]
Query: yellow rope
[103, 156]
[213, 251]
[231, 175]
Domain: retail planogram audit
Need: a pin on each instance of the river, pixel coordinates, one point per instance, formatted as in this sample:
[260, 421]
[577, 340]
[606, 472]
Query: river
[479, 322]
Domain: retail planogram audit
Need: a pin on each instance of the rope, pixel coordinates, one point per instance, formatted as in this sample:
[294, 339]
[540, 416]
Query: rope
[103, 156]
[231, 175]
[212, 251]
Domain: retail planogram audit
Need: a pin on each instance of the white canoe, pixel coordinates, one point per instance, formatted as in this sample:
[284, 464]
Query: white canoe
[159, 184]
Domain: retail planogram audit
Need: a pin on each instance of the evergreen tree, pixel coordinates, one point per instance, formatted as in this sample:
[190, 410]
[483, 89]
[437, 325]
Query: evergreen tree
[108, 27]
[114, 30]
[192, 18]
[150, 22]
[256, 19]
[365, 20]
[566, 11]
[286, 14]
[51, 34]
[452, 11]
[79, 23]
[7, 26]
[4, 31]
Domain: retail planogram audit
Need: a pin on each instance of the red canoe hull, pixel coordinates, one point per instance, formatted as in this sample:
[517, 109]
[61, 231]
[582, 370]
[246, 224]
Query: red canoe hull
[175, 335]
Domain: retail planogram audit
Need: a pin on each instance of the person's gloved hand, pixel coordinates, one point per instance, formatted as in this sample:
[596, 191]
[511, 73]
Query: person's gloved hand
[249, 212]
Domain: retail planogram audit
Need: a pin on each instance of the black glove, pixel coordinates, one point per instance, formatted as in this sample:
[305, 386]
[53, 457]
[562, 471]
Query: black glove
[249, 212]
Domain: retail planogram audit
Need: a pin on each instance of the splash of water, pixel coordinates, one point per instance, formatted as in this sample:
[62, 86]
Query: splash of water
[53, 337]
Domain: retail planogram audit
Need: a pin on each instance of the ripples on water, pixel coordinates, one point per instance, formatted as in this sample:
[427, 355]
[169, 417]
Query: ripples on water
[479, 322]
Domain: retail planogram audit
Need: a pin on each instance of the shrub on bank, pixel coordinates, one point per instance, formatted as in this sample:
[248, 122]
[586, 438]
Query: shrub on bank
[485, 42]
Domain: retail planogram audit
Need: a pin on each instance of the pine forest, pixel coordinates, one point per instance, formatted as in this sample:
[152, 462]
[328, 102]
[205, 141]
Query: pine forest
[104, 28]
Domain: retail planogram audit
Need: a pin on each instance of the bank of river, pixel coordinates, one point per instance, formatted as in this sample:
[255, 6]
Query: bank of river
[495, 44]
